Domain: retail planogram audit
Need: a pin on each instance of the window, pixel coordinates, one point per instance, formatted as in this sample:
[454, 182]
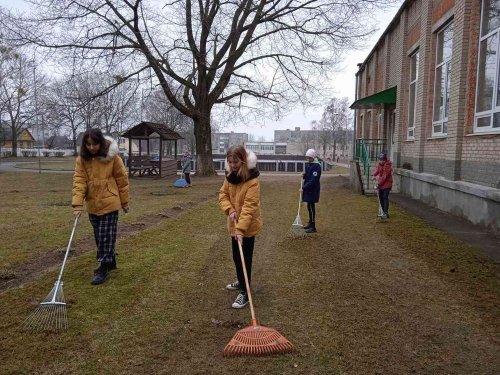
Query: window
[380, 118]
[412, 94]
[487, 118]
[442, 81]
[361, 130]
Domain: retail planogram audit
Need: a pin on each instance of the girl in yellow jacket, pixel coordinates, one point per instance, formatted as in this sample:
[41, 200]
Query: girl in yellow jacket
[239, 198]
[101, 181]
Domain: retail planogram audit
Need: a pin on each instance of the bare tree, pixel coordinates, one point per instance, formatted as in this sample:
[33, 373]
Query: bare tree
[116, 106]
[64, 108]
[248, 53]
[158, 109]
[323, 136]
[18, 82]
[335, 121]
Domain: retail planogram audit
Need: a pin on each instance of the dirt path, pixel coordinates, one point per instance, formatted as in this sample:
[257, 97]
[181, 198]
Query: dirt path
[50, 259]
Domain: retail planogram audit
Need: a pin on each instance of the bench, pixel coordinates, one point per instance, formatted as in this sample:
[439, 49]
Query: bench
[141, 165]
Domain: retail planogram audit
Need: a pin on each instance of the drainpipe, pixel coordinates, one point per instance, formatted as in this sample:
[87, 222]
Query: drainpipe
[355, 116]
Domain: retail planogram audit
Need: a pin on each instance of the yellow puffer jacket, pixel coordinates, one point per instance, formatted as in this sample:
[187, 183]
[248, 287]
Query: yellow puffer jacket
[101, 182]
[244, 199]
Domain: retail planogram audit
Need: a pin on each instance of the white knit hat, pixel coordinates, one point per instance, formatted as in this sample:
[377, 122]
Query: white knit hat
[311, 153]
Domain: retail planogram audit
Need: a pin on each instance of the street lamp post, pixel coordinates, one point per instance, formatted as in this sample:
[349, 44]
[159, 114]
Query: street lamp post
[36, 114]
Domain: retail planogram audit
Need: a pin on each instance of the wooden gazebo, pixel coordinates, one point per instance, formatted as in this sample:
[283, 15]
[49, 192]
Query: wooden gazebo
[150, 150]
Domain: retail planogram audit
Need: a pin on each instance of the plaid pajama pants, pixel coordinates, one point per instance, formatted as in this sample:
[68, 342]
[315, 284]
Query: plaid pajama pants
[105, 235]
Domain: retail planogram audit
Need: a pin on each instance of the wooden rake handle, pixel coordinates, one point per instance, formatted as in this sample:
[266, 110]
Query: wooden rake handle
[254, 320]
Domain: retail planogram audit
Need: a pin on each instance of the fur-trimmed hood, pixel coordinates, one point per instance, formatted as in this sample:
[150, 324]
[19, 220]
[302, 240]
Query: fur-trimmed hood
[113, 149]
[251, 161]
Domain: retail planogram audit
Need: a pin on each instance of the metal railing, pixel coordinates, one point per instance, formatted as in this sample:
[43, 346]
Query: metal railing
[373, 148]
[368, 150]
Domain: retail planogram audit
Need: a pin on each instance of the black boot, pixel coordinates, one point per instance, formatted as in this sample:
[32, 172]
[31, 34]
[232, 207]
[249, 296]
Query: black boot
[312, 228]
[101, 274]
[307, 226]
[111, 266]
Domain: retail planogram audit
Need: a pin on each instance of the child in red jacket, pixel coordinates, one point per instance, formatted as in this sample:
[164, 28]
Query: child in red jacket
[384, 184]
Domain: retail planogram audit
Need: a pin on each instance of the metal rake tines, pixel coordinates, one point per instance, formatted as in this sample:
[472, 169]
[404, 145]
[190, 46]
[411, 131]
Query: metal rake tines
[296, 232]
[50, 315]
[47, 317]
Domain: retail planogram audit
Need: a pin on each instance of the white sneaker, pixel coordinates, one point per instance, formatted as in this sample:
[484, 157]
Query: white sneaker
[240, 301]
[233, 286]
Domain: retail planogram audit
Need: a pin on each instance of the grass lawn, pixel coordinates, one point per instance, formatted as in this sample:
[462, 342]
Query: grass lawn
[37, 213]
[336, 169]
[358, 297]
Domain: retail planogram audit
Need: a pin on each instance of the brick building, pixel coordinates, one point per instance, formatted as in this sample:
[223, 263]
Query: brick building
[429, 94]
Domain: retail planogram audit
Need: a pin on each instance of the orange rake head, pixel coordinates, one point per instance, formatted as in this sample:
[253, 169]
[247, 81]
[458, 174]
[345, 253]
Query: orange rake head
[257, 340]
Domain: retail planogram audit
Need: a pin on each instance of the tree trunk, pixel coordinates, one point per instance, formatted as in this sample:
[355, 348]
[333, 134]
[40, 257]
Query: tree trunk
[75, 151]
[14, 143]
[203, 138]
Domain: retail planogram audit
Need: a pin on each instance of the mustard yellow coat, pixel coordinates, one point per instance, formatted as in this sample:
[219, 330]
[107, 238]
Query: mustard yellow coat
[101, 182]
[244, 199]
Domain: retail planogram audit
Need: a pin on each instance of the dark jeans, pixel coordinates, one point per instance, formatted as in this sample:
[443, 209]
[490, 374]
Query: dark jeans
[383, 194]
[187, 177]
[311, 208]
[248, 243]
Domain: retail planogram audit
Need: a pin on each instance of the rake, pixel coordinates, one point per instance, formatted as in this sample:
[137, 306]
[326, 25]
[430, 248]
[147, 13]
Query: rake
[380, 210]
[51, 315]
[255, 340]
[297, 229]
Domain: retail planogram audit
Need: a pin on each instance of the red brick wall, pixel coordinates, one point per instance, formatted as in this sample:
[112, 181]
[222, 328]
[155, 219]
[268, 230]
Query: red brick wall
[441, 7]
[414, 35]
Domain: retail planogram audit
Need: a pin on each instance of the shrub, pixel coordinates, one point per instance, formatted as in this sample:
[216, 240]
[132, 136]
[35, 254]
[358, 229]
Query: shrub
[407, 166]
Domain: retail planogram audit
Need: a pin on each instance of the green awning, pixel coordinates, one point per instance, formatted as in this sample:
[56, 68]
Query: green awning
[383, 97]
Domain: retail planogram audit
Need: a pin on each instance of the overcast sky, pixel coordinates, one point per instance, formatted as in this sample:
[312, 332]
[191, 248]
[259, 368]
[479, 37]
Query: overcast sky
[342, 84]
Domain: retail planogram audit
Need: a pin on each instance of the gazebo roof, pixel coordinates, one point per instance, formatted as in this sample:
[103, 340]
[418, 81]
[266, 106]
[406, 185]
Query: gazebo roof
[145, 129]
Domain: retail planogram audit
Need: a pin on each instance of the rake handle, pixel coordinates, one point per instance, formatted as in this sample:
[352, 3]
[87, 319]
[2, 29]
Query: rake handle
[380, 211]
[67, 252]
[254, 320]
[300, 195]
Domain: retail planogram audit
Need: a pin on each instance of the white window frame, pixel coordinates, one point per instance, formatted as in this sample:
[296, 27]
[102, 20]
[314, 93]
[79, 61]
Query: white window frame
[444, 65]
[410, 134]
[495, 109]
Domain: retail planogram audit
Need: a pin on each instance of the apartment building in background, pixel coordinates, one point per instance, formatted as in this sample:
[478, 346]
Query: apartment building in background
[222, 141]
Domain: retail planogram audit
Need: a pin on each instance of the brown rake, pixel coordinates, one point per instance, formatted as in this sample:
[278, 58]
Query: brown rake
[255, 340]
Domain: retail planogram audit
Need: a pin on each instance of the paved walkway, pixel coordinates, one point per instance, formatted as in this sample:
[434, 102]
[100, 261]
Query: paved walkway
[487, 242]
[10, 166]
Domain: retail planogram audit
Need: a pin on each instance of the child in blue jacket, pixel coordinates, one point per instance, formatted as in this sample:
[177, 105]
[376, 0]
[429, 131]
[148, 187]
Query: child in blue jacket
[311, 188]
